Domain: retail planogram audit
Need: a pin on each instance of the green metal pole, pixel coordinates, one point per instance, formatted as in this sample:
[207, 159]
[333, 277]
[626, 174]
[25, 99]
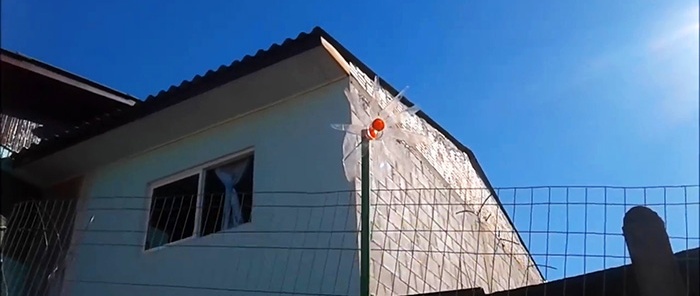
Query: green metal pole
[365, 228]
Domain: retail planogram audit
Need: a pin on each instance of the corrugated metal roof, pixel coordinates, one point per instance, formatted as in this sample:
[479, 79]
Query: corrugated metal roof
[173, 95]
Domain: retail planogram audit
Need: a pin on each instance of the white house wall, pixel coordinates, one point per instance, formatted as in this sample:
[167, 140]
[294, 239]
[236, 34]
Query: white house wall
[295, 150]
[461, 250]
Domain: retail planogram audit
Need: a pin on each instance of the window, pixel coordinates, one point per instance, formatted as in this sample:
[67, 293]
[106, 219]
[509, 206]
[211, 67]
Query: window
[211, 199]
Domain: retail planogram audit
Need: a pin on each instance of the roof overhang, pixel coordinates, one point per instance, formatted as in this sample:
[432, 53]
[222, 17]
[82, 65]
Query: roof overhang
[35, 91]
[293, 76]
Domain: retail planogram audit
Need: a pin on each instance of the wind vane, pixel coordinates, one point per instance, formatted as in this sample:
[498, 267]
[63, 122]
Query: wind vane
[378, 125]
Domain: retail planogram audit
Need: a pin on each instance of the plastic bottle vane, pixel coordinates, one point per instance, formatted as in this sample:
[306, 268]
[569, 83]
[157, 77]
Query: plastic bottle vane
[377, 124]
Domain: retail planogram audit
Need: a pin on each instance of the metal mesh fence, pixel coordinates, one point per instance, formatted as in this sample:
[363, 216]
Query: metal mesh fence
[307, 243]
[34, 247]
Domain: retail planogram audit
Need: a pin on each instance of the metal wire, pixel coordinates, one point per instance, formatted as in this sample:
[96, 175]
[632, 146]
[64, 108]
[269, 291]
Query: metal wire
[307, 243]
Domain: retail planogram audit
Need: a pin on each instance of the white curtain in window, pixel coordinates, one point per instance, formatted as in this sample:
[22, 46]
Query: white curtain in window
[230, 176]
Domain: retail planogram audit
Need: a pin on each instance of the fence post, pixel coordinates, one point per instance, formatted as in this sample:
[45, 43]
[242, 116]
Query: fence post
[654, 265]
[365, 226]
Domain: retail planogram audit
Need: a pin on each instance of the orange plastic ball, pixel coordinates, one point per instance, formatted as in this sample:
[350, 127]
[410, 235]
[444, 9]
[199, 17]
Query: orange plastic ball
[378, 124]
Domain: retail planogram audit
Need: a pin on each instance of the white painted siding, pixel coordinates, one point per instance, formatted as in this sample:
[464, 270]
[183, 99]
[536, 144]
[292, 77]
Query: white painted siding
[295, 150]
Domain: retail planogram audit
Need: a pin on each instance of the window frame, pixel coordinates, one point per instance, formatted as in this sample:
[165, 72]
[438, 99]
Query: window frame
[201, 171]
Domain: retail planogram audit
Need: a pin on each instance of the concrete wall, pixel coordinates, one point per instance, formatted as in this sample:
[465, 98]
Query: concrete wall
[295, 150]
[429, 240]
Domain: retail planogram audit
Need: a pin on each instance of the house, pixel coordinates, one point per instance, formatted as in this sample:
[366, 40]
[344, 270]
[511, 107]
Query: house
[154, 187]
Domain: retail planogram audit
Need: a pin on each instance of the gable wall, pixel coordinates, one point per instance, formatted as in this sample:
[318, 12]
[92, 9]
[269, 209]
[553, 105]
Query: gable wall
[440, 244]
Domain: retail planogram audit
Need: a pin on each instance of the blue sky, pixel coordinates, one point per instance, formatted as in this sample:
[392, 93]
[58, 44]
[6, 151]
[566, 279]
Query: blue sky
[544, 92]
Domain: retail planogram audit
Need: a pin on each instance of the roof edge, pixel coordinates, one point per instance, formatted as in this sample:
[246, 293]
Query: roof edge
[80, 82]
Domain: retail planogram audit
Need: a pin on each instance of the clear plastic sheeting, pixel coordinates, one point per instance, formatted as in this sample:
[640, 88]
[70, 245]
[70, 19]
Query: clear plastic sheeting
[382, 121]
[16, 134]
[440, 154]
